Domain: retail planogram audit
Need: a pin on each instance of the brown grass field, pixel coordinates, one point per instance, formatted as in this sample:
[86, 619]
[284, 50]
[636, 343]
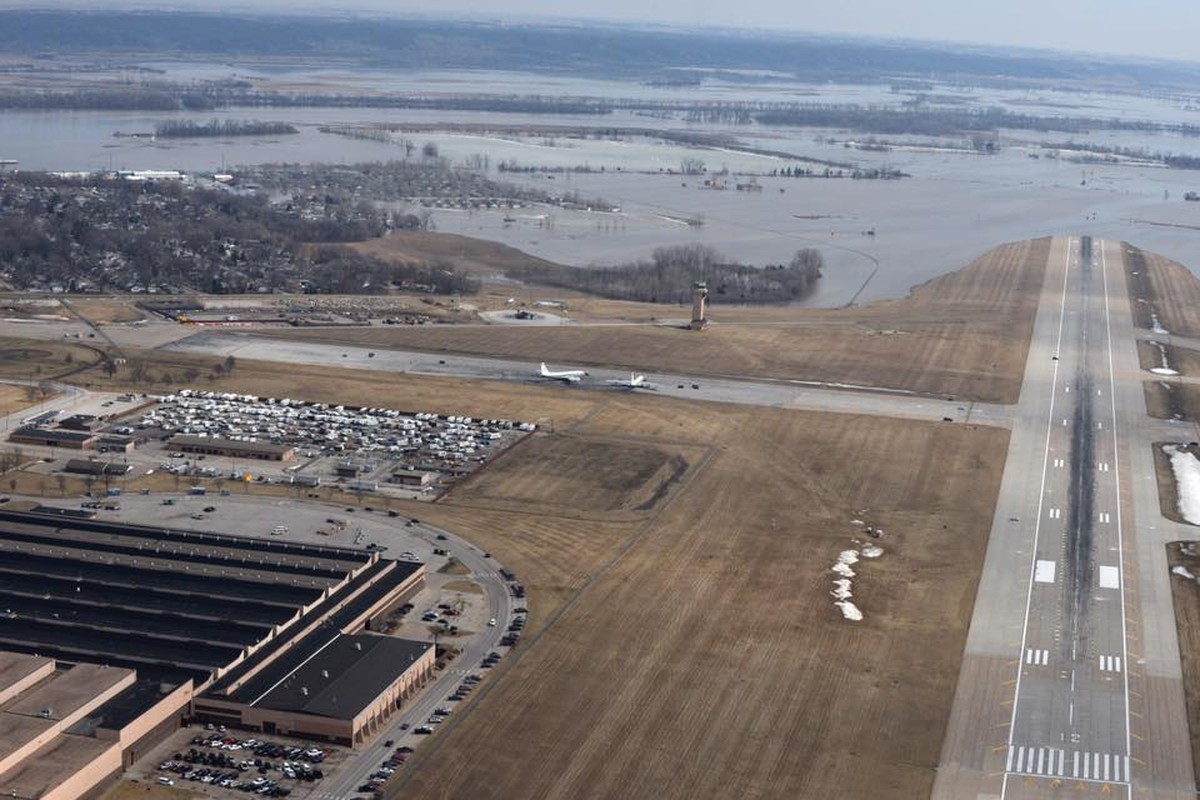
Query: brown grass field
[708, 660]
[35, 359]
[14, 398]
[1185, 595]
[1183, 360]
[141, 790]
[1162, 287]
[1168, 494]
[965, 334]
[1167, 399]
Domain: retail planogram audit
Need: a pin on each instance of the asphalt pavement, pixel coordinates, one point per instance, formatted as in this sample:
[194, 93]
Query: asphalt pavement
[1070, 682]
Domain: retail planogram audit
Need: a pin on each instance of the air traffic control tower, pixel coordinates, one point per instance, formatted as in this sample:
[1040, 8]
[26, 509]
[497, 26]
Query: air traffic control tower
[699, 306]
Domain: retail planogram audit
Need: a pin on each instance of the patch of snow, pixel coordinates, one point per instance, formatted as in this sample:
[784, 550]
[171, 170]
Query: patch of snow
[1187, 482]
[843, 570]
[857, 522]
[841, 589]
[1157, 327]
[1182, 572]
[871, 551]
[848, 557]
[849, 610]
[1163, 371]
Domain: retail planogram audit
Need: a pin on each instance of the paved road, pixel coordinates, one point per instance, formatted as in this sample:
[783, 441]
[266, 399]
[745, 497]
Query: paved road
[484, 572]
[1070, 681]
[829, 397]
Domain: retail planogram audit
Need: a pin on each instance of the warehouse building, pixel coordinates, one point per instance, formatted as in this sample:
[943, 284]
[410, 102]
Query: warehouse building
[246, 621]
[68, 731]
[343, 693]
[233, 448]
[53, 437]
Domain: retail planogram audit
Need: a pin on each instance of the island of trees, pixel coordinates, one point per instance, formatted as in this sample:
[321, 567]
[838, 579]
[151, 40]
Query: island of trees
[186, 129]
[671, 271]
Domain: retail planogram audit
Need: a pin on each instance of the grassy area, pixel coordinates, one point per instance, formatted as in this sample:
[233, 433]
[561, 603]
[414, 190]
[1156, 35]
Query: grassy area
[15, 398]
[964, 335]
[1163, 289]
[1185, 595]
[707, 659]
[138, 790]
[38, 359]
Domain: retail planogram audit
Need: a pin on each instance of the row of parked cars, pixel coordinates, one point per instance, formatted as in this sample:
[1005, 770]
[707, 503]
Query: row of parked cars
[221, 741]
[387, 768]
[229, 780]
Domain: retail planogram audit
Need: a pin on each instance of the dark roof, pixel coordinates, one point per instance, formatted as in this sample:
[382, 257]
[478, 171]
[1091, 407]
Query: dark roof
[359, 669]
[87, 466]
[171, 604]
[126, 707]
[52, 435]
[387, 576]
[217, 442]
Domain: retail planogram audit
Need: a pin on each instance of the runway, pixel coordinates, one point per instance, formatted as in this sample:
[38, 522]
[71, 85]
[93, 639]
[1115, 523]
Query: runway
[1070, 681]
[813, 396]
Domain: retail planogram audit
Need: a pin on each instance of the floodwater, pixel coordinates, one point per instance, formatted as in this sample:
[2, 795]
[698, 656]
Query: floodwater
[879, 238]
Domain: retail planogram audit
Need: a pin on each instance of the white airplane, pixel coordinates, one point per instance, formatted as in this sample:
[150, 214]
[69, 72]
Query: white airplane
[634, 382]
[567, 375]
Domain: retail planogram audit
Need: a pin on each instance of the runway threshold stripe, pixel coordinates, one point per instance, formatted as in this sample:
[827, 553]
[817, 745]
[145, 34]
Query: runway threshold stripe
[1075, 764]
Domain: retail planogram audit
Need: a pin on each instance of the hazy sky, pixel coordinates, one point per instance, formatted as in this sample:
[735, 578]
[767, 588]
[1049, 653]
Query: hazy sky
[1157, 28]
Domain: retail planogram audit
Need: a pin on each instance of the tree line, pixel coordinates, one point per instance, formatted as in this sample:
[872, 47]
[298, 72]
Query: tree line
[671, 272]
[186, 129]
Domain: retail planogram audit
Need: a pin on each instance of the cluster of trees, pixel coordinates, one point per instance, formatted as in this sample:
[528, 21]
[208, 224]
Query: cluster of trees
[1172, 160]
[186, 129]
[108, 234]
[872, 173]
[671, 271]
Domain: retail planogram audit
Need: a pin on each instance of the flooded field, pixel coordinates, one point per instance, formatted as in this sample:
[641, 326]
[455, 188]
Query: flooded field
[879, 238]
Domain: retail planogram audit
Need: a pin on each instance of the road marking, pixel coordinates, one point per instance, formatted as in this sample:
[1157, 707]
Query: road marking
[1103, 466]
[1112, 384]
[1044, 572]
[1104, 517]
[1067, 388]
[1048, 761]
[1110, 578]
[1037, 525]
[1038, 658]
[1110, 663]
[1055, 513]
[1100, 426]
[1060, 463]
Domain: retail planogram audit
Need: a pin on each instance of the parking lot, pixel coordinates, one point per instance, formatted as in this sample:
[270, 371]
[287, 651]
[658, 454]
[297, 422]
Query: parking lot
[222, 763]
[365, 449]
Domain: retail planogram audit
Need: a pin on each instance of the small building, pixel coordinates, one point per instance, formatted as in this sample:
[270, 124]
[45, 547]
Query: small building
[80, 422]
[413, 478]
[53, 437]
[351, 468]
[114, 443]
[88, 466]
[233, 448]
